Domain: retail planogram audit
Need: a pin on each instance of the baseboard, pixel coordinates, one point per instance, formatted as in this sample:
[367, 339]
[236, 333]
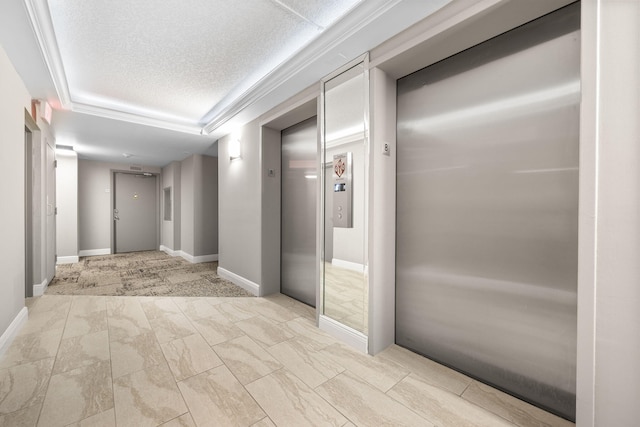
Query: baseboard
[95, 252]
[7, 337]
[205, 258]
[348, 265]
[168, 251]
[348, 335]
[191, 258]
[245, 284]
[67, 259]
[39, 288]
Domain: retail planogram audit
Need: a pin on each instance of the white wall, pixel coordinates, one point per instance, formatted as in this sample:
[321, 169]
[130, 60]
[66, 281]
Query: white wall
[15, 99]
[95, 190]
[67, 204]
[608, 368]
[44, 197]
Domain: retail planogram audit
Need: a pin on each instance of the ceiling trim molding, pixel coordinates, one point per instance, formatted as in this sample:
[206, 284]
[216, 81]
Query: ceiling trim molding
[137, 119]
[354, 21]
[42, 26]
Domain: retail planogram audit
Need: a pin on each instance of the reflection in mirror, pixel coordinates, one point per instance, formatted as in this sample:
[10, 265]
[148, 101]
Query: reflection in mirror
[345, 291]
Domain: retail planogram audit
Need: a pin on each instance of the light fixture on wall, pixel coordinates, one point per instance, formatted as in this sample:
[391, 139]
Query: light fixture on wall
[234, 149]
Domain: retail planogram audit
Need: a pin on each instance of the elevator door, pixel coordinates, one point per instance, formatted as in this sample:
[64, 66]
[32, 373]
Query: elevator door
[487, 211]
[299, 194]
[135, 213]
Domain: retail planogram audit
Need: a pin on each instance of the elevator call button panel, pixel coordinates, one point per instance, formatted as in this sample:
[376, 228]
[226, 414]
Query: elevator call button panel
[342, 190]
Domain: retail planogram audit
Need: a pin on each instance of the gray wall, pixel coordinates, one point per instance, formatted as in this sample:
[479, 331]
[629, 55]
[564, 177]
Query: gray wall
[240, 202]
[67, 203]
[199, 205]
[249, 200]
[193, 229]
[206, 206]
[15, 99]
[95, 181]
[170, 232]
[187, 208]
[608, 318]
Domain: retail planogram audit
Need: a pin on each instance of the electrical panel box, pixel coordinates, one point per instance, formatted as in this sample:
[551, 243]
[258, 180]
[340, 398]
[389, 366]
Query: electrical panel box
[342, 190]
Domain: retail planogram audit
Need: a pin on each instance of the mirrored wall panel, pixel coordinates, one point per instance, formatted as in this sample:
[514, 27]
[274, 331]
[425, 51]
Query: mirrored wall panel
[345, 289]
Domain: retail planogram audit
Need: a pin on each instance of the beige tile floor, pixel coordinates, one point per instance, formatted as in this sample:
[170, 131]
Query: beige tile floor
[145, 361]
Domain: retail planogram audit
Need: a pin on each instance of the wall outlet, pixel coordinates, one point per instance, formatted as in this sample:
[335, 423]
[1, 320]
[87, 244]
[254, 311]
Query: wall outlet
[386, 149]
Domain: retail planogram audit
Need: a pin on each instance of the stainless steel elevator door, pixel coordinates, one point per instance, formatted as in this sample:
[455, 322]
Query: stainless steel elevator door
[299, 210]
[487, 211]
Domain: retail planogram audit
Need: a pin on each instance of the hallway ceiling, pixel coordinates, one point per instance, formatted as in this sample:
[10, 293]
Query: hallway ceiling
[161, 80]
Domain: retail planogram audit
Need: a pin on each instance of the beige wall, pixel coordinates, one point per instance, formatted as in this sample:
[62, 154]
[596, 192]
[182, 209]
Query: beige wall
[15, 99]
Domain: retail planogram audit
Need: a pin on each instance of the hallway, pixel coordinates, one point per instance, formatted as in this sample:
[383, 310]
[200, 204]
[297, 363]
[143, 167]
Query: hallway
[150, 361]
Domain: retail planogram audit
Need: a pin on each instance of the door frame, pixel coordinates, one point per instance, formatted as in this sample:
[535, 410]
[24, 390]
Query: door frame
[30, 130]
[303, 108]
[112, 203]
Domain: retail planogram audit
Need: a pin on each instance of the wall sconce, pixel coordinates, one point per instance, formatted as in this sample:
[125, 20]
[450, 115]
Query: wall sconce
[234, 149]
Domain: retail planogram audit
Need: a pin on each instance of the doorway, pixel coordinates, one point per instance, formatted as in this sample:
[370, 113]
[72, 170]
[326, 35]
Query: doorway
[135, 212]
[298, 223]
[28, 211]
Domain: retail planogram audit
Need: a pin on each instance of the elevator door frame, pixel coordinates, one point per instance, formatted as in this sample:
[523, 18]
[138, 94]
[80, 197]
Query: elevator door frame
[576, 217]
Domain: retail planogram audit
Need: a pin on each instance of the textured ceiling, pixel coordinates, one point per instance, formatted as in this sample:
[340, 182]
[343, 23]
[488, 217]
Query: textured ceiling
[162, 79]
[176, 59]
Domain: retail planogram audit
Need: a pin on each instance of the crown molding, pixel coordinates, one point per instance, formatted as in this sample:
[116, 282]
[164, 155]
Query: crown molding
[350, 24]
[93, 110]
[42, 26]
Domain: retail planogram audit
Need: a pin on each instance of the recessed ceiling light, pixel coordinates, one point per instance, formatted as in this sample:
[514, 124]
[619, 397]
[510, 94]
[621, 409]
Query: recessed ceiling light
[127, 155]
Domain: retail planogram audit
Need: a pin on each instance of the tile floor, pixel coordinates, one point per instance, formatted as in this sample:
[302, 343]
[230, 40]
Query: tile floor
[150, 361]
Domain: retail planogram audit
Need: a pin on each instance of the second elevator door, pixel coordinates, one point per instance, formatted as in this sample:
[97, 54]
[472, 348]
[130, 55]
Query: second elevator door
[487, 211]
[299, 190]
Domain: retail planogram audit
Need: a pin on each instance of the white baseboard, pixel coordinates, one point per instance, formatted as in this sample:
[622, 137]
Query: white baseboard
[7, 337]
[95, 252]
[168, 251]
[67, 259]
[348, 335]
[348, 265]
[39, 288]
[245, 284]
[205, 258]
[192, 259]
